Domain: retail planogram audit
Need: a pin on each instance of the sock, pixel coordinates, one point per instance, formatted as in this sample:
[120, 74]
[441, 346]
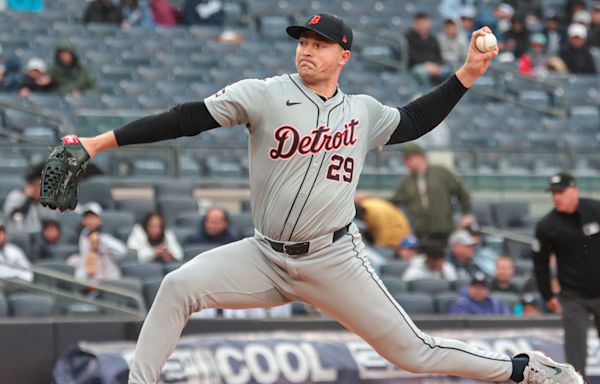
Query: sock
[519, 363]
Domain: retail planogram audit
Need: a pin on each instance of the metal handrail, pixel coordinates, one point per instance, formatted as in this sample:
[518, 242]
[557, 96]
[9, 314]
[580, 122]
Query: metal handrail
[65, 278]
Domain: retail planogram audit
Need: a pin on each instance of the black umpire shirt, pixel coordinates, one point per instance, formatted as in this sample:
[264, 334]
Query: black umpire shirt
[575, 240]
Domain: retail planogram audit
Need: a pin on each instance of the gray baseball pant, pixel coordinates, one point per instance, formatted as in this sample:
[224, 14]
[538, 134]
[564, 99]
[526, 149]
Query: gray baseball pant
[336, 278]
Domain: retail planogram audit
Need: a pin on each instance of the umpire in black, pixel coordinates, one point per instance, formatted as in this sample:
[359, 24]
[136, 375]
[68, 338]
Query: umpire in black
[572, 232]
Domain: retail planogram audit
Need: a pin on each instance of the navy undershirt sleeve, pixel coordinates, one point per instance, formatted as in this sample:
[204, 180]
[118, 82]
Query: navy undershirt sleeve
[187, 119]
[425, 113]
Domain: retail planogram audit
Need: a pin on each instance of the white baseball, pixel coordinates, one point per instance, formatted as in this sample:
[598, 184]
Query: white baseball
[486, 42]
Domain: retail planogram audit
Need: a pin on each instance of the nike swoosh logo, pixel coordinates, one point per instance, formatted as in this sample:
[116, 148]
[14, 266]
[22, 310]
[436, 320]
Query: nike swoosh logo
[556, 369]
[290, 103]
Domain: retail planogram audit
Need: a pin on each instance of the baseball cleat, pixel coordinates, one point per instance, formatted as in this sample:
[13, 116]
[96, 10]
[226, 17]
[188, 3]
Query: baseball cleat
[543, 370]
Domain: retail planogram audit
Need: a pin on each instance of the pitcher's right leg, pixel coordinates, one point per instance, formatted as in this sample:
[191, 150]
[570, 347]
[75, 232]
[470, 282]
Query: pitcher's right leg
[232, 276]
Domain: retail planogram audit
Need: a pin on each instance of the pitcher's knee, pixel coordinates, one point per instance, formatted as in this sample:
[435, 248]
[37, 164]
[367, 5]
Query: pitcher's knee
[173, 287]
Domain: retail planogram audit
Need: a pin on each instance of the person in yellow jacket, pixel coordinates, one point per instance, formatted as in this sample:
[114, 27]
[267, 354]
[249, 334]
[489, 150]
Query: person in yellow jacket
[386, 224]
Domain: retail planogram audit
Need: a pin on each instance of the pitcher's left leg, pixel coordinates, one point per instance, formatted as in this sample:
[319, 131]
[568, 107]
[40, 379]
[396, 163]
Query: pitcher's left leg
[340, 281]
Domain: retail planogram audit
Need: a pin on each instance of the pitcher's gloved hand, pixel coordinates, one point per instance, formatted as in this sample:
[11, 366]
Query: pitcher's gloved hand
[64, 168]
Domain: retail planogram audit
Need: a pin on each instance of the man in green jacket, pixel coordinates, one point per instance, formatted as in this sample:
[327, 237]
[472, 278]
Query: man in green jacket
[428, 195]
[69, 73]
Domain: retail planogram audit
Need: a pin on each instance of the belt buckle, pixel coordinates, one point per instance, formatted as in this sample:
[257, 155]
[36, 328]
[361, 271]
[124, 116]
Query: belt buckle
[296, 249]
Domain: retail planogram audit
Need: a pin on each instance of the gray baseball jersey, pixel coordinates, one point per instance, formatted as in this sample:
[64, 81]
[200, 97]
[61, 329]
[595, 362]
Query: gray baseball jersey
[306, 155]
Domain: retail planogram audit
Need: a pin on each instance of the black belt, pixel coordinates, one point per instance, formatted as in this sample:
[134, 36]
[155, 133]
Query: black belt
[296, 249]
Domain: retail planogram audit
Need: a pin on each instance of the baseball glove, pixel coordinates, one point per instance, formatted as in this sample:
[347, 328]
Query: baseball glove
[64, 168]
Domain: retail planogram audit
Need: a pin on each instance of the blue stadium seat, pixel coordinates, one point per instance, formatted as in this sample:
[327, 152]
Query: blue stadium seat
[416, 303]
[31, 305]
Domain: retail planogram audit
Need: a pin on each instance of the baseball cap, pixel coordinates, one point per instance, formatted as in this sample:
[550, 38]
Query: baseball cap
[577, 30]
[582, 17]
[538, 38]
[529, 298]
[409, 242]
[467, 12]
[412, 149]
[92, 207]
[479, 278]
[507, 9]
[462, 237]
[36, 63]
[327, 25]
[560, 182]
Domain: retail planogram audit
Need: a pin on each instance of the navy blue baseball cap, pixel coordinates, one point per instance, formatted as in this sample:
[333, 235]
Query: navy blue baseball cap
[327, 25]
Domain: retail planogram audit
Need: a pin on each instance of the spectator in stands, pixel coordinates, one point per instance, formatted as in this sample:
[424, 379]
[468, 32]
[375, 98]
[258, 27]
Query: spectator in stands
[476, 299]
[11, 77]
[503, 15]
[570, 231]
[505, 271]
[103, 11]
[91, 220]
[13, 262]
[215, 228]
[408, 248]
[386, 224]
[554, 32]
[424, 55]
[22, 206]
[153, 242]
[536, 61]
[467, 20]
[453, 43]
[462, 253]
[594, 35]
[451, 9]
[427, 195]
[517, 37]
[206, 12]
[531, 307]
[432, 264]
[99, 262]
[70, 74]
[137, 13]
[46, 239]
[572, 7]
[576, 54]
[165, 14]
[36, 78]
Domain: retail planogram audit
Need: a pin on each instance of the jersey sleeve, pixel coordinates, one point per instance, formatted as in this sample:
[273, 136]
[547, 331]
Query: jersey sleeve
[237, 104]
[384, 121]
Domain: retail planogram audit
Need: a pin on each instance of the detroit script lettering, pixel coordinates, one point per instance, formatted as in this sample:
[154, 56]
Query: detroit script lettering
[289, 142]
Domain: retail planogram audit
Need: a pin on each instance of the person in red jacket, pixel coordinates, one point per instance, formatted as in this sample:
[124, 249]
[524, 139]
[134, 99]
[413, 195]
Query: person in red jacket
[165, 14]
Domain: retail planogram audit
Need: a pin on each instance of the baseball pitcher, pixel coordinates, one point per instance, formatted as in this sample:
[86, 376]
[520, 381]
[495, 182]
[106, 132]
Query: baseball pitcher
[307, 146]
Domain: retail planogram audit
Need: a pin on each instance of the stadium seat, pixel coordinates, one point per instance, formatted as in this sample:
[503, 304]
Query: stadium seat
[429, 285]
[21, 240]
[459, 283]
[443, 301]
[517, 249]
[143, 271]
[31, 304]
[83, 309]
[96, 189]
[41, 135]
[61, 252]
[181, 233]
[394, 269]
[242, 222]
[171, 207]
[55, 266]
[150, 290]
[416, 303]
[115, 221]
[3, 306]
[7, 184]
[188, 220]
[132, 285]
[395, 285]
[510, 214]
[173, 188]
[139, 207]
